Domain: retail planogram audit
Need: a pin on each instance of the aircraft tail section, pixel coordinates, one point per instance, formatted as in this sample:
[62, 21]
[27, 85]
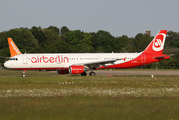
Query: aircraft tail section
[157, 44]
[13, 48]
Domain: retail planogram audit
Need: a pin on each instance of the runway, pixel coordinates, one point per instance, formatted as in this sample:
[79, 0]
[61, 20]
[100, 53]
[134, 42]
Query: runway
[136, 72]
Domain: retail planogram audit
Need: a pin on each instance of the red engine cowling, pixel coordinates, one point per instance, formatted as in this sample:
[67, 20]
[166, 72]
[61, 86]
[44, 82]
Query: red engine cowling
[62, 71]
[74, 69]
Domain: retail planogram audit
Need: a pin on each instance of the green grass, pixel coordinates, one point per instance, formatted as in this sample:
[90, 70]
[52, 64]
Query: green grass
[80, 107]
[44, 95]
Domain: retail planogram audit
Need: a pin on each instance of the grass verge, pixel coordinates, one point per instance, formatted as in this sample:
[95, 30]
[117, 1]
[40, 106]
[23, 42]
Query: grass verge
[44, 95]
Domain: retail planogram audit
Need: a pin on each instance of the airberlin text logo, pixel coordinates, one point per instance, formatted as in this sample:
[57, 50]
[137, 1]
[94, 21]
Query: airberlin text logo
[15, 48]
[158, 43]
[43, 59]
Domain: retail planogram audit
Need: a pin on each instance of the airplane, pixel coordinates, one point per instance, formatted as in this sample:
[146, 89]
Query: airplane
[79, 63]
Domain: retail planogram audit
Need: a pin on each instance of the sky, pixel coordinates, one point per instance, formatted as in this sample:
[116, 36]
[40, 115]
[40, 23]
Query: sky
[119, 17]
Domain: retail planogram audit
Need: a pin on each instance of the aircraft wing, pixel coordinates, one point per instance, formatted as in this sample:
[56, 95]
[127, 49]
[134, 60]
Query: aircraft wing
[160, 57]
[98, 63]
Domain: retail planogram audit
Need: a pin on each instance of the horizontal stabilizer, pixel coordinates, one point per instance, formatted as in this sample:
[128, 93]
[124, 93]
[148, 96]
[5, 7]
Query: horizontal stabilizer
[166, 56]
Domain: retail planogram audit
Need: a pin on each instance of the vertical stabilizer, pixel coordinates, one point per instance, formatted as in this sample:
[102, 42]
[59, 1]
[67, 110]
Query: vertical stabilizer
[13, 48]
[157, 44]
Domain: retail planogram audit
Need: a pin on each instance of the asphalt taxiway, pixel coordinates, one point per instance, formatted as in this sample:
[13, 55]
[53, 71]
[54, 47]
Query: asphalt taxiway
[136, 72]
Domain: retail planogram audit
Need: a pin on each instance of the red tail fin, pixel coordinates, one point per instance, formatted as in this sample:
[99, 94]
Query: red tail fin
[157, 44]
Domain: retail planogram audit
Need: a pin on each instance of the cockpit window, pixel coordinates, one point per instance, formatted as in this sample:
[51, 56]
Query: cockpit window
[15, 59]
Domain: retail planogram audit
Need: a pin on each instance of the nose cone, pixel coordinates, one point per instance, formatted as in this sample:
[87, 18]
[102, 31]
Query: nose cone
[7, 64]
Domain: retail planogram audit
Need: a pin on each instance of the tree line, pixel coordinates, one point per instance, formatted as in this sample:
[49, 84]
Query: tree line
[64, 40]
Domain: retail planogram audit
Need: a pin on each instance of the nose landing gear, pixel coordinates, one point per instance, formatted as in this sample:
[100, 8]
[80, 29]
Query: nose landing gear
[23, 73]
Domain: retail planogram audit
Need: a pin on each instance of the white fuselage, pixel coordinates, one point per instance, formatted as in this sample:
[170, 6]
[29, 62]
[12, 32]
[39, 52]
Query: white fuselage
[63, 60]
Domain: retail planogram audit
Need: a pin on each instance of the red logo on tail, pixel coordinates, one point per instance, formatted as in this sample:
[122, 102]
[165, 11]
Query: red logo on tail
[158, 42]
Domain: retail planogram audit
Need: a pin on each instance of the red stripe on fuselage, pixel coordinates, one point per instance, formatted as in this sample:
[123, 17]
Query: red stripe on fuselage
[136, 62]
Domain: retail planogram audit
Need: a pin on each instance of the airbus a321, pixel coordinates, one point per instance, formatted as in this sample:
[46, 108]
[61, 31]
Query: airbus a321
[79, 63]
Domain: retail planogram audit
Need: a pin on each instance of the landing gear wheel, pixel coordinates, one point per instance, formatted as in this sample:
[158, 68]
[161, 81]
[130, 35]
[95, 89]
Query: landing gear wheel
[23, 75]
[92, 73]
[83, 74]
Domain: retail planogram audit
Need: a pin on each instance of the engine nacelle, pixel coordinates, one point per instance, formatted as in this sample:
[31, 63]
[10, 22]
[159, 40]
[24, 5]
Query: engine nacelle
[74, 69]
[62, 71]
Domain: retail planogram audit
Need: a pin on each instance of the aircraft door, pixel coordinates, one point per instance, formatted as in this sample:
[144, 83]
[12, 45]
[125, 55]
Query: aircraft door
[143, 58]
[25, 60]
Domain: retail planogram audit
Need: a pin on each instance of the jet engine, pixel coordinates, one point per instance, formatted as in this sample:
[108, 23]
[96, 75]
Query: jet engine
[76, 69]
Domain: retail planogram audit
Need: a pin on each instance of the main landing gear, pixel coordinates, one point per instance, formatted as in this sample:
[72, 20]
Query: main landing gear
[23, 73]
[83, 74]
[91, 73]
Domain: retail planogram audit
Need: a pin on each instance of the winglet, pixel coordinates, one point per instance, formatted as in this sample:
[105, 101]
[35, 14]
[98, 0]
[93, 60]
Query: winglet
[13, 48]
